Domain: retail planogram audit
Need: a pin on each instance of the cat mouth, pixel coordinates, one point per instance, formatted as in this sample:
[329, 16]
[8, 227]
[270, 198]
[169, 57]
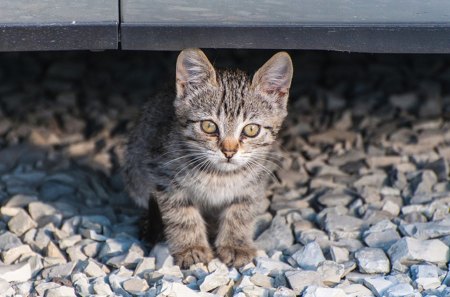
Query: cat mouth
[227, 165]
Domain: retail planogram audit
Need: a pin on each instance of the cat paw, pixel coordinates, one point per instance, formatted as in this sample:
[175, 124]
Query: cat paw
[193, 255]
[236, 256]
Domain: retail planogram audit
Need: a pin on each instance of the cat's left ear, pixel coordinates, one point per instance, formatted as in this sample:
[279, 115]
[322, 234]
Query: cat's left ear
[274, 77]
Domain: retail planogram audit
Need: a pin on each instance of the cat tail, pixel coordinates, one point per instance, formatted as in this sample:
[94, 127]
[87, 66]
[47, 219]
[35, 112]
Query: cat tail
[152, 229]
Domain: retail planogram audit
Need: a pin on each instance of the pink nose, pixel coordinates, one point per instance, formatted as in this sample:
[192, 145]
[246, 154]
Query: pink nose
[229, 154]
[229, 147]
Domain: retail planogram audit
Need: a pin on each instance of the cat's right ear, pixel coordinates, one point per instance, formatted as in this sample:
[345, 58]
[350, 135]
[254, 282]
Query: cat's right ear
[193, 69]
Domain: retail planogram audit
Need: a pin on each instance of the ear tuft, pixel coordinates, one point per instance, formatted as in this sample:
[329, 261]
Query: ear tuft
[193, 68]
[275, 76]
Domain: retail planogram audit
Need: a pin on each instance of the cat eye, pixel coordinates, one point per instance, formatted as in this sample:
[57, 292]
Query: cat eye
[251, 130]
[208, 127]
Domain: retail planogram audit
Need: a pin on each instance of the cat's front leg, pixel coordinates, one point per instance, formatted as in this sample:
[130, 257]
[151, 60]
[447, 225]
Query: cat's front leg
[185, 232]
[234, 242]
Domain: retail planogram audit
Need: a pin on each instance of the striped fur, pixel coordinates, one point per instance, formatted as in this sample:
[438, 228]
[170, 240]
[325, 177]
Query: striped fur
[171, 160]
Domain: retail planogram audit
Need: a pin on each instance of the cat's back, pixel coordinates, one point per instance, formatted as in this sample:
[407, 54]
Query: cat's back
[154, 124]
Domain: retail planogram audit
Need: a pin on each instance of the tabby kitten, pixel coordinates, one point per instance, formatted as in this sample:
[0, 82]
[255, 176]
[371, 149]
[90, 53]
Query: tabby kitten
[203, 159]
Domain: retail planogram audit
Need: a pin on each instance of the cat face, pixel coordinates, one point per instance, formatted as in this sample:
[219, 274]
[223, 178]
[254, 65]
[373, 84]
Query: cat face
[229, 120]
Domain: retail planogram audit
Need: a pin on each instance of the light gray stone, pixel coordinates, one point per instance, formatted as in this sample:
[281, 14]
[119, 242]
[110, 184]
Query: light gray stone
[378, 285]
[15, 253]
[314, 291]
[44, 213]
[216, 279]
[309, 257]
[115, 246]
[21, 223]
[339, 254]
[169, 289]
[20, 272]
[410, 250]
[284, 292]
[162, 255]
[312, 235]
[146, 264]
[42, 287]
[335, 199]
[277, 237]
[269, 266]
[135, 285]
[69, 241]
[92, 269]
[81, 284]
[24, 288]
[262, 280]
[423, 182]
[299, 280]
[9, 240]
[100, 287]
[372, 260]
[356, 290]
[342, 226]
[62, 270]
[60, 291]
[427, 230]
[331, 272]
[425, 277]
[115, 282]
[75, 253]
[381, 235]
[401, 290]
[20, 200]
[129, 259]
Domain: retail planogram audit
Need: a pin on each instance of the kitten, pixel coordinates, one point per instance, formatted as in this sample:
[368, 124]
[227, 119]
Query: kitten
[204, 158]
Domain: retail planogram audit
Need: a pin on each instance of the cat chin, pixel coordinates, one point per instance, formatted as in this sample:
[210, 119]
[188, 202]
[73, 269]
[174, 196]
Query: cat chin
[227, 166]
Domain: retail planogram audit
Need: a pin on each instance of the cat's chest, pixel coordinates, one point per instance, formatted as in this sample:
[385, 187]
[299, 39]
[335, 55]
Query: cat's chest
[217, 190]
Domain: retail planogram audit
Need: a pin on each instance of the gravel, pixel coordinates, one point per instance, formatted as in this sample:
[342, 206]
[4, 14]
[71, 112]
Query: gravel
[361, 207]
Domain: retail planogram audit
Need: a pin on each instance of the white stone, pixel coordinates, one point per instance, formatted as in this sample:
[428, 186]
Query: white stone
[38, 210]
[331, 272]
[372, 260]
[135, 285]
[214, 280]
[357, 290]
[261, 280]
[411, 250]
[69, 241]
[92, 269]
[425, 277]
[15, 253]
[116, 281]
[81, 284]
[400, 290]
[162, 255]
[169, 289]
[20, 272]
[299, 279]
[309, 257]
[100, 287]
[378, 285]
[339, 254]
[60, 291]
[146, 264]
[284, 292]
[270, 266]
[313, 291]
[21, 223]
